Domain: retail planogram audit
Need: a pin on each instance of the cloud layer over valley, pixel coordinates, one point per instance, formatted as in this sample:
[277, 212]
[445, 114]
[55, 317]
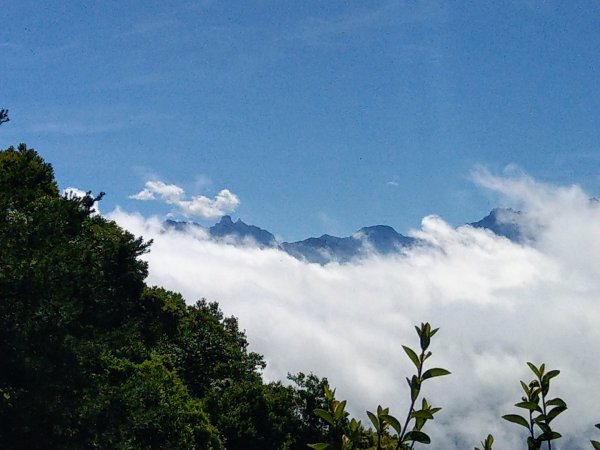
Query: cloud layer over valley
[498, 304]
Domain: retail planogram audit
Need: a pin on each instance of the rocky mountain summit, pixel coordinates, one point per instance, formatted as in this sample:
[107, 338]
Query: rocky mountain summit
[380, 239]
[503, 222]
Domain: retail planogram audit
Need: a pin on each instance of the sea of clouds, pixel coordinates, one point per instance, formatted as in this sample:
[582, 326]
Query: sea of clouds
[498, 305]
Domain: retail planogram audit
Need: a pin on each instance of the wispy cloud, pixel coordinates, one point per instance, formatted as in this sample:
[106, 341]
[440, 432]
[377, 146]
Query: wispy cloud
[102, 120]
[198, 206]
[331, 224]
[74, 128]
[202, 181]
[498, 304]
[383, 15]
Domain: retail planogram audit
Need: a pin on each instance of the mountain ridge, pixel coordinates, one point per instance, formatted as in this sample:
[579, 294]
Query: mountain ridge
[380, 239]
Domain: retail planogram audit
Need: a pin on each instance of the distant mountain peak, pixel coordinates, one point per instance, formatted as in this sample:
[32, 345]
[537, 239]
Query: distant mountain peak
[381, 239]
[241, 232]
[504, 212]
[378, 239]
[503, 222]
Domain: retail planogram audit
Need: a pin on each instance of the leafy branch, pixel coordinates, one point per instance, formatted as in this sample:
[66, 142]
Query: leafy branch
[346, 435]
[535, 402]
[486, 444]
[408, 433]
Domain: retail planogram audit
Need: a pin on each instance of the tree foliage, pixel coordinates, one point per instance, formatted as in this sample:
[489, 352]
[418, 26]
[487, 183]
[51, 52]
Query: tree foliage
[94, 358]
[72, 326]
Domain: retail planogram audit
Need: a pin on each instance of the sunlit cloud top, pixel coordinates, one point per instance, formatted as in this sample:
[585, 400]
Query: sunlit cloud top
[197, 206]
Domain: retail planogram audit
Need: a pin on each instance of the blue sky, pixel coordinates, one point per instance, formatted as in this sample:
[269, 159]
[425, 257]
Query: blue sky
[312, 117]
[320, 117]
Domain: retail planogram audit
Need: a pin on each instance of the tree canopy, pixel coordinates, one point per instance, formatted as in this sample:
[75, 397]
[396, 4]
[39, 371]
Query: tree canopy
[94, 358]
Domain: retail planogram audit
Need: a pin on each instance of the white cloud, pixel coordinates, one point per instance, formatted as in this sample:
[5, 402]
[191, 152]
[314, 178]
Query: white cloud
[202, 181]
[145, 194]
[225, 202]
[170, 193]
[74, 192]
[498, 304]
[198, 206]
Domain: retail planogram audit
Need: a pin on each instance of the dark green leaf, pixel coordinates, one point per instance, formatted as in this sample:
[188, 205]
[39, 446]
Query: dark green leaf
[554, 412]
[426, 327]
[320, 446]
[329, 394]
[556, 402]
[545, 388]
[596, 445]
[531, 406]
[339, 409]
[544, 427]
[425, 340]
[533, 444]
[534, 369]
[394, 423]
[515, 418]
[436, 372]
[412, 355]
[415, 387]
[374, 421]
[551, 374]
[422, 414]
[487, 443]
[417, 436]
[325, 415]
[354, 425]
[548, 436]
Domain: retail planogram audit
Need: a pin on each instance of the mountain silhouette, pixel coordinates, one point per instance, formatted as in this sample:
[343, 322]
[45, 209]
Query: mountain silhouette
[379, 239]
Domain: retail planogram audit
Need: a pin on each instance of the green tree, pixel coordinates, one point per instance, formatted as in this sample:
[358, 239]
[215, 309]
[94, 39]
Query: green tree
[74, 309]
[212, 356]
[210, 349]
[24, 177]
[147, 406]
[309, 394]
